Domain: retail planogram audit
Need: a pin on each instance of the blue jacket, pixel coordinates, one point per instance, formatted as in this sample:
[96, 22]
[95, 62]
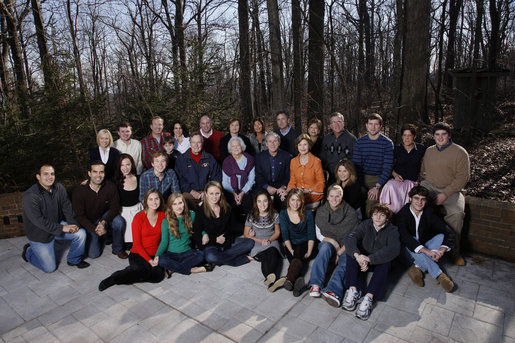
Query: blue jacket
[264, 169]
[195, 176]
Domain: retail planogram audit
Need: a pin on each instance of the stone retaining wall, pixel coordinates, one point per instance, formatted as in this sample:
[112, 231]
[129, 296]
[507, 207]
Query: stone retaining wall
[489, 224]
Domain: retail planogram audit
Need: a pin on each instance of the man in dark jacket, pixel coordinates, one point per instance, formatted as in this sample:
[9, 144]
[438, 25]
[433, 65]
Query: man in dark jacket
[287, 132]
[195, 168]
[48, 216]
[426, 238]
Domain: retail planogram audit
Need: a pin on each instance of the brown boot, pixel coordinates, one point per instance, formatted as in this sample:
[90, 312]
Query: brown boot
[416, 276]
[293, 272]
[445, 282]
[458, 259]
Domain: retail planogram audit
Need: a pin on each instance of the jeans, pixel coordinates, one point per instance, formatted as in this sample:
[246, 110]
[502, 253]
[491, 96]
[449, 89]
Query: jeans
[96, 243]
[335, 285]
[325, 251]
[377, 285]
[42, 255]
[234, 256]
[181, 262]
[426, 263]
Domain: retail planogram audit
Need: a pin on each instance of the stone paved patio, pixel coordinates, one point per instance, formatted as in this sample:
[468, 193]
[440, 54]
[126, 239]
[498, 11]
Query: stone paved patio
[232, 305]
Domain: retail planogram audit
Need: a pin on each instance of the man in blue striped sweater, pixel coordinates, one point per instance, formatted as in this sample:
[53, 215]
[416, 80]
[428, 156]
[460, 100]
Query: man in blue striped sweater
[373, 157]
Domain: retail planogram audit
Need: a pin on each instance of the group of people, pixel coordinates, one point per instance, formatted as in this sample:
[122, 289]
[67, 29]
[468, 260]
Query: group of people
[187, 203]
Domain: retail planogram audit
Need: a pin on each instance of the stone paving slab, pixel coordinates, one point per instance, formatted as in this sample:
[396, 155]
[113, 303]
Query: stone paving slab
[233, 305]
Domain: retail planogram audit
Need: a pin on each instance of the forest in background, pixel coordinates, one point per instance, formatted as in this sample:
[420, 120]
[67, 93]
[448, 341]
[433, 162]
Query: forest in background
[71, 67]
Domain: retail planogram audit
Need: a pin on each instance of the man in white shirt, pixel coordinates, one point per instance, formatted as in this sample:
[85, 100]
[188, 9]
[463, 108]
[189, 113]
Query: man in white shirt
[126, 145]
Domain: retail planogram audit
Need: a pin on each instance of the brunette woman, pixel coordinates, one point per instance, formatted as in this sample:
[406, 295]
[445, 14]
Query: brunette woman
[262, 226]
[306, 172]
[257, 138]
[234, 131]
[298, 232]
[347, 179]
[175, 253]
[181, 137]
[128, 190]
[146, 233]
[214, 229]
[314, 132]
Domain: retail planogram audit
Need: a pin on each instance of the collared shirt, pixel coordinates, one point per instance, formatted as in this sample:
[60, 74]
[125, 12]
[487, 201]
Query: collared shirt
[445, 146]
[273, 166]
[206, 136]
[168, 183]
[417, 222]
[104, 155]
[133, 149]
[287, 131]
[149, 146]
[182, 147]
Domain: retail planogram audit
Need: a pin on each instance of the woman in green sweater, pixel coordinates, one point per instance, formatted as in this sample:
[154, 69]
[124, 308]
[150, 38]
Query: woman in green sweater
[175, 253]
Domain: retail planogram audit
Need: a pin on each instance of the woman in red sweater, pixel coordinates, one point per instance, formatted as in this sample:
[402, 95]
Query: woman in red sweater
[146, 235]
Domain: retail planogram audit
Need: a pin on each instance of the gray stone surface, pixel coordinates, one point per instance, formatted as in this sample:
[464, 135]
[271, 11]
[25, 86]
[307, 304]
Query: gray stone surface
[233, 305]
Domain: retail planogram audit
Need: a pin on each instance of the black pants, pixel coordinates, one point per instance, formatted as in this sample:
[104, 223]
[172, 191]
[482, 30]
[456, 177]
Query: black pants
[270, 259]
[138, 270]
[297, 260]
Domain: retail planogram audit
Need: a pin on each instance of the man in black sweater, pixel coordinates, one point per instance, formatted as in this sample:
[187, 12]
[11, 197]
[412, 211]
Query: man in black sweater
[48, 216]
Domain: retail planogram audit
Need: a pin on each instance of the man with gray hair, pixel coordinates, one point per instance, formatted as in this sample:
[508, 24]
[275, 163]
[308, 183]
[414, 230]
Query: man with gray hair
[273, 169]
[211, 137]
[337, 145]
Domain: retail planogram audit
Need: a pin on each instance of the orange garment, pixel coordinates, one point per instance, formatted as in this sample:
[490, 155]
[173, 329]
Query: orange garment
[309, 176]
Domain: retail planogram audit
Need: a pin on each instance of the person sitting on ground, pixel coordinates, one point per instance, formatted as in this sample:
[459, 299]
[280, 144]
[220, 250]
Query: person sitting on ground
[214, 229]
[181, 137]
[48, 216]
[106, 153]
[195, 169]
[128, 191]
[158, 177]
[298, 233]
[372, 245]
[170, 151]
[175, 253]
[146, 232]
[333, 221]
[97, 209]
[406, 168]
[314, 132]
[234, 131]
[262, 226]
[273, 170]
[426, 238]
[347, 179]
[257, 137]
[238, 177]
[306, 173]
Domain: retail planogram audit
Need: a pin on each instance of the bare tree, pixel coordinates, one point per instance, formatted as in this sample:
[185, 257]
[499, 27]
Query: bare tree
[245, 99]
[276, 53]
[316, 59]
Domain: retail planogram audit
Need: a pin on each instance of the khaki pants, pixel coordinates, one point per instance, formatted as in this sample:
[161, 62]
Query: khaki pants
[370, 182]
[454, 207]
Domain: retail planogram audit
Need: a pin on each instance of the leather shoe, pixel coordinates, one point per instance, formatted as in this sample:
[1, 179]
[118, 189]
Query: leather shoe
[80, 265]
[24, 252]
[122, 254]
[209, 267]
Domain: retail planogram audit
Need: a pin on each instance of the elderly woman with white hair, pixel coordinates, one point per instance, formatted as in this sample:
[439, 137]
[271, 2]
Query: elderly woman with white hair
[238, 177]
[106, 153]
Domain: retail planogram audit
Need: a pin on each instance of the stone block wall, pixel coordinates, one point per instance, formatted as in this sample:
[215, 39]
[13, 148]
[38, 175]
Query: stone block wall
[490, 227]
[11, 215]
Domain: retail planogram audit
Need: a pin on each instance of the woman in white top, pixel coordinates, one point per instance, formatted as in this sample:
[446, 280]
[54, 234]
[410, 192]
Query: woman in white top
[182, 143]
[106, 153]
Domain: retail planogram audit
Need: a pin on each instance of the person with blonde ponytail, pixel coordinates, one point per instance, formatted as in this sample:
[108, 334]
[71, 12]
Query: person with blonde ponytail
[175, 253]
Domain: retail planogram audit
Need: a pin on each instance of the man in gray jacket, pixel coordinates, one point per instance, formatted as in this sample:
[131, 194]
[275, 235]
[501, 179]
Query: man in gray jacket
[48, 216]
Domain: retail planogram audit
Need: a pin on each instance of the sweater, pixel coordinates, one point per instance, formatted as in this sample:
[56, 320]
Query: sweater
[309, 176]
[214, 227]
[288, 140]
[380, 246]
[407, 164]
[172, 244]
[44, 210]
[145, 237]
[336, 224]
[448, 169]
[373, 157]
[212, 143]
[334, 149]
[297, 233]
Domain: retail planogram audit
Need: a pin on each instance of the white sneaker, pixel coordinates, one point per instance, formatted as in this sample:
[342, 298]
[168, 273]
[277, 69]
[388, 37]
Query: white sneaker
[350, 299]
[365, 308]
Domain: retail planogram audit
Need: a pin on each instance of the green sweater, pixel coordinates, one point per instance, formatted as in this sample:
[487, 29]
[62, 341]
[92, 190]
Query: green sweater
[172, 244]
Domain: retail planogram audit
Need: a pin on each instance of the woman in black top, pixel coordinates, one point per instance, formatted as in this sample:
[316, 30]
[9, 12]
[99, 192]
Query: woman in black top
[106, 153]
[213, 232]
[234, 131]
[346, 177]
[128, 189]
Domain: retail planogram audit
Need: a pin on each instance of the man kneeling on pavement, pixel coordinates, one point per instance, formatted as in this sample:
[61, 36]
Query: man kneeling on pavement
[426, 238]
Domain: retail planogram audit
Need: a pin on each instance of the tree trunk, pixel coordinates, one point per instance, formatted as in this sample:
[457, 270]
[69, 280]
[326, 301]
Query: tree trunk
[397, 64]
[494, 35]
[416, 62]
[276, 53]
[245, 100]
[297, 61]
[49, 73]
[263, 104]
[316, 59]
[454, 12]
[438, 105]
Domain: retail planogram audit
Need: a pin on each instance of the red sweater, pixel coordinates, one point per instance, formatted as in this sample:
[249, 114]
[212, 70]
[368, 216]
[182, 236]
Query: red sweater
[145, 237]
[212, 144]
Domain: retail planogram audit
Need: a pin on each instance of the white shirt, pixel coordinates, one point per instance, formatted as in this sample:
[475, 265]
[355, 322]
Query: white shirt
[133, 149]
[184, 146]
[417, 222]
[104, 156]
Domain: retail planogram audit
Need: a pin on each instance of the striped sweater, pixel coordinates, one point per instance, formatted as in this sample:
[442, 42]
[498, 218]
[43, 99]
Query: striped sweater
[374, 157]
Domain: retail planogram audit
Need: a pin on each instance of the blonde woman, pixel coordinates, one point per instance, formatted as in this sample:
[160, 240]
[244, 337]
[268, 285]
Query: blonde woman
[106, 153]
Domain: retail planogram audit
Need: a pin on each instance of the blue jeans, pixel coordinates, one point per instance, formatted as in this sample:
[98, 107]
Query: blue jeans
[335, 285]
[96, 243]
[181, 262]
[234, 256]
[426, 263]
[319, 269]
[42, 255]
